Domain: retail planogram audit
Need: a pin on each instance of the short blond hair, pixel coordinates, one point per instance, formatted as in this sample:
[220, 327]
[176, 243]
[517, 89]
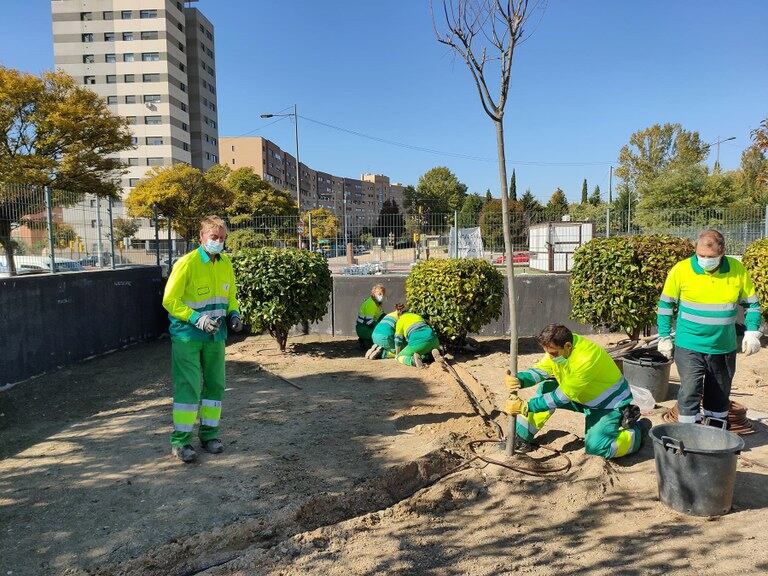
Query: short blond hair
[378, 287]
[212, 222]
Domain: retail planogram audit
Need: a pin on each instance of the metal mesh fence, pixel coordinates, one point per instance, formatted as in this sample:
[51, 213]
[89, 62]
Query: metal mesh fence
[85, 232]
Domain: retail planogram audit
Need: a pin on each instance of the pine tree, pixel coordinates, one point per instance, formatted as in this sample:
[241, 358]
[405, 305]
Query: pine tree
[557, 206]
[584, 198]
[488, 195]
[513, 188]
[595, 198]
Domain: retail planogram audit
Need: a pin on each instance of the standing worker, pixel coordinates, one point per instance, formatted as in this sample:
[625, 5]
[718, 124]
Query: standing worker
[385, 343]
[199, 296]
[419, 338]
[706, 290]
[369, 315]
[577, 374]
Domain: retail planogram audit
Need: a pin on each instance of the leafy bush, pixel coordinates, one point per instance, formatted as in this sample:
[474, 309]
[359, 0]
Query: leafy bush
[755, 260]
[245, 238]
[616, 282]
[279, 289]
[455, 296]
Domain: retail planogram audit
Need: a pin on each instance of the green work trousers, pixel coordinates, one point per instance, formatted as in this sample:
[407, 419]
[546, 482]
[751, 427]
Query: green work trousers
[421, 342]
[197, 371]
[364, 335]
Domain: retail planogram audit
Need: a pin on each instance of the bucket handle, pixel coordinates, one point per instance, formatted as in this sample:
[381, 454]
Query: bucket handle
[723, 423]
[669, 442]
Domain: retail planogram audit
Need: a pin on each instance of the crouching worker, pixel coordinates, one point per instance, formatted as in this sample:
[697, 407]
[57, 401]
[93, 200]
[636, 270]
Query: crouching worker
[369, 315]
[577, 374]
[385, 343]
[201, 302]
[418, 337]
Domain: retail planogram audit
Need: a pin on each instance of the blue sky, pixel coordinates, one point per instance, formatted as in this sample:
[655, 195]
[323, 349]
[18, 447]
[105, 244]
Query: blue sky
[591, 74]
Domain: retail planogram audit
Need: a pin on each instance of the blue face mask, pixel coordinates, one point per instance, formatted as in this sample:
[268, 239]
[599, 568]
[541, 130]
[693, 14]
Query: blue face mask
[213, 247]
[708, 264]
[559, 360]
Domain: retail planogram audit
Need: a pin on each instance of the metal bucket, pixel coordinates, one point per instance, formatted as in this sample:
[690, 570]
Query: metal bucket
[696, 467]
[650, 370]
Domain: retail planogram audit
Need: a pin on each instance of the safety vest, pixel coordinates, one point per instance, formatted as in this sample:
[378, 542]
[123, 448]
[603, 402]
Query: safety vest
[706, 305]
[408, 324]
[200, 285]
[370, 312]
[386, 326]
[590, 377]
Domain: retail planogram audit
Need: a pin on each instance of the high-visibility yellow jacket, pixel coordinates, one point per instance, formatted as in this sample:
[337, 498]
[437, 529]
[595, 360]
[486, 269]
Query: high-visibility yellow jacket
[369, 314]
[706, 305]
[200, 285]
[590, 377]
[409, 324]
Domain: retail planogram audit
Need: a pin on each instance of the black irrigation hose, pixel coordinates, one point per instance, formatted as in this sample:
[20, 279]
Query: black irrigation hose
[522, 469]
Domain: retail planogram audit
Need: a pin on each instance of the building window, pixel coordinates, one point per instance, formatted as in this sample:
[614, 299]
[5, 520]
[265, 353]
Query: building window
[126, 14]
[111, 79]
[86, 16]
[129, 57]
[152, 120]
[133, 161]
[209, 36]
[206, 137]
[214, 141]
[207, 156]
[111, 100]
[233, 160]
[149, 35]
[128, 36]
[180, 27]
[87, 37]
[182, 87]
[89, 59]
[148, 14]
[202, 29]
[131, 119]
[110, 58]
[215, 158]
[181, 46]
[182, 68]
[209, 52]
[109, 36]
[151, 77]
[151, 97]
[130, 99]
[129, 78]
[89, 79]
[202, 46]
[154, 161]
[132, 182]
[93, 223]
[205, 84]
[233, 148]
[134, 141]
[183, 107]
[154, 140]
[185, 146]
[178, 5]
[150, 56]
[184, 127]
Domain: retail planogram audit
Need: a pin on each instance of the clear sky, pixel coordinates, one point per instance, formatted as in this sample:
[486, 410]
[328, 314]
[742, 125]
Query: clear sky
[593, 72]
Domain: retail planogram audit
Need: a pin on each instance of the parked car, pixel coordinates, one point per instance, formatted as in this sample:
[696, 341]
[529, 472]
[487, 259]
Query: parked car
[518, 257]
[32, 264]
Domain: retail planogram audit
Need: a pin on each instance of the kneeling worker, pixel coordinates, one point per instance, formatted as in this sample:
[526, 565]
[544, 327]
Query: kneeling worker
[577, 374]
[385, 343]
[419, 338]
[368, 316]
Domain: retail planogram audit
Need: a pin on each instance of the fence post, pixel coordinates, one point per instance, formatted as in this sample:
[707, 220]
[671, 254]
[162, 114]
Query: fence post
[456, 233]
[111, 233]
[157, 235]
[170, 260]
[49, 220]
[765, 224]
[99, 247]
[310, 231]
[608, 222]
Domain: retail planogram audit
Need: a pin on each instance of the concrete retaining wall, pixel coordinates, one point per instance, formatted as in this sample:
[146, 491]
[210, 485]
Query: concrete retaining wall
[48, 321]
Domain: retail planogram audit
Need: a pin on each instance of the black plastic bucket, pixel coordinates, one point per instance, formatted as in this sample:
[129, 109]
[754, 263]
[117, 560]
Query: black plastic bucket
[695, 467]
[648, 369]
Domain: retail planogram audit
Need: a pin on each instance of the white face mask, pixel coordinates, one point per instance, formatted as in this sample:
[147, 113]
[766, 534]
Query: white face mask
[379, 298]
[559, 360]
[213, 247]
[708, 264]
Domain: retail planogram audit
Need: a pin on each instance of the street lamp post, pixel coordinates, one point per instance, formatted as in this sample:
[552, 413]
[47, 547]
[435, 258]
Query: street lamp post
[295, 115]
[717, 143]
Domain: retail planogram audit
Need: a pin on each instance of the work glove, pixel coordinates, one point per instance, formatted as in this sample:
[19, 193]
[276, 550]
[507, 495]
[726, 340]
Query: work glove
[751, 342]
[666, 346]
[515, 406]
[207, 324]
[235, 323]
[511, 382]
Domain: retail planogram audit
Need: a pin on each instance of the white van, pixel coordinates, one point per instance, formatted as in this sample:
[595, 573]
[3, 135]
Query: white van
[32, 264]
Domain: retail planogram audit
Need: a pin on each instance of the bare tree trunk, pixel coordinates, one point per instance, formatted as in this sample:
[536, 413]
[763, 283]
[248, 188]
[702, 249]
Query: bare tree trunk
[507, 245]
[7, 244]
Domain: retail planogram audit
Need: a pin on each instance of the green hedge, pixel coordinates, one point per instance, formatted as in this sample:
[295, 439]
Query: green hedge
[455, 296]
[280, 288]
[616, 282]
[755, 260]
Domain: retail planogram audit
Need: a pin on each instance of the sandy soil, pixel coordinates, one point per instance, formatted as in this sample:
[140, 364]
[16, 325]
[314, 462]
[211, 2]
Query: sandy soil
[344, 476]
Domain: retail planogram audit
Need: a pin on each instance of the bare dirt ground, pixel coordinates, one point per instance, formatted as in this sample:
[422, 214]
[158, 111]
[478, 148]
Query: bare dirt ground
[344, 476]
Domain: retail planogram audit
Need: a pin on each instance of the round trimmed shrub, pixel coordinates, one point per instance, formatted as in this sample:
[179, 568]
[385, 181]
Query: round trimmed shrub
[616, 282]
[280, 288]
[455, 296]
[755, 260]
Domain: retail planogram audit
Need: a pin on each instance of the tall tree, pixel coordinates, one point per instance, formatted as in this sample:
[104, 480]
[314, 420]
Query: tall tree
[754, 175]
[470, 210]
[486, 32]
[182, 193]
[530, 204]
[654, 149]
[492, 229]
[584, 192]
[513, 187]
[390, 221]
[760, 143]
[56, 134]
[488, 195]
[255, 201]
[557, 207]
[325, 225]
[595, 198]
[438, 192]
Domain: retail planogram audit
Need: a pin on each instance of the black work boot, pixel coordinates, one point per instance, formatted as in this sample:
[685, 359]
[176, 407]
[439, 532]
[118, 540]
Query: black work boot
[524, 447]
[184, 453]
[212, 446]
[629, 416]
